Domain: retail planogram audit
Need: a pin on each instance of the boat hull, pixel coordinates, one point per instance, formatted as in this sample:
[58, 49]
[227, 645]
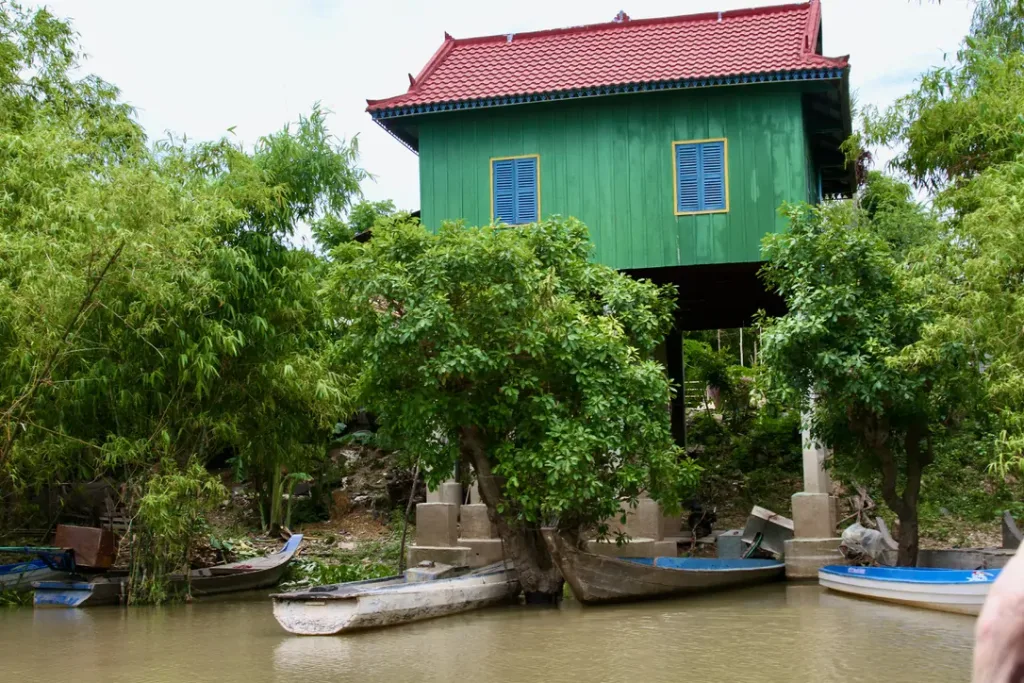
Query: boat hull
[390, 602]
[262, 572]
[956, 591]
[21, 577]
[596, 579]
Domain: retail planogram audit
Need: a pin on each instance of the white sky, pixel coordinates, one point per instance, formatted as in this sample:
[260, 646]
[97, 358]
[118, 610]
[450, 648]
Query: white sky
[198, 67]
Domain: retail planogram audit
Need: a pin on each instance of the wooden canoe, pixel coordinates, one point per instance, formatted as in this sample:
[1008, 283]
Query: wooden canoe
[597, 579]
[946, 590]
[338, 608]
[252, 574]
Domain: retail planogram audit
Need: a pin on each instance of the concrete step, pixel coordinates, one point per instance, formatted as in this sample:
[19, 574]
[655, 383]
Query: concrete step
[483, 551]
[457, 556]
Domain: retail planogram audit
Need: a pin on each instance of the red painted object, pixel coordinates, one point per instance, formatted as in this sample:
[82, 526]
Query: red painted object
[94, 548]
[764, 40]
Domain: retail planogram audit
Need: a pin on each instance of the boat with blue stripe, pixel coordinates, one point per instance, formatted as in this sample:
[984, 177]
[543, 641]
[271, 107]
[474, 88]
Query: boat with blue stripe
[49, 563]
[596, 579]
[947, 590]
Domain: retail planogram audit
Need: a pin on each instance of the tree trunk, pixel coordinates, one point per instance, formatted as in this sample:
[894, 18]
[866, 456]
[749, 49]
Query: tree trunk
[905, 504]
[907, 554]
[538, 575]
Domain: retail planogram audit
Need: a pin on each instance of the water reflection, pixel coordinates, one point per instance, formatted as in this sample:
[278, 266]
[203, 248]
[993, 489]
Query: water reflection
[769, 635]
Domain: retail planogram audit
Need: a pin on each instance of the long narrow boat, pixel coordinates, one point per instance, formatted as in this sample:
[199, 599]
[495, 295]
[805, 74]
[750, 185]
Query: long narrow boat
[252, 574]
[597, 579]
[49, 564]
[327, 610]
[946, 590]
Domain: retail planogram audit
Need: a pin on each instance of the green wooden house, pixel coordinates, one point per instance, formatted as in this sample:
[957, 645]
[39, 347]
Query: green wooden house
[674, 139]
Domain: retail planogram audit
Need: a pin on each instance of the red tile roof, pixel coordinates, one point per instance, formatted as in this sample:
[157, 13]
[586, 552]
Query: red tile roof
[781, 38]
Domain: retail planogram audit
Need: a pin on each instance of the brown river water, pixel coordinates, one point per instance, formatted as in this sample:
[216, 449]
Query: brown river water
[766, 635]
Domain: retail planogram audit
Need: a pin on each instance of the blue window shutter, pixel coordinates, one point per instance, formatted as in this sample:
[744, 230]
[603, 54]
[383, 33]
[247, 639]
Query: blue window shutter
[526, 190]
[712, 176]
[687, 178]
[504, 193]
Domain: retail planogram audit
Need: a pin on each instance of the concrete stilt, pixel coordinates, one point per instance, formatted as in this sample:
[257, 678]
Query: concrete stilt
[814, 517]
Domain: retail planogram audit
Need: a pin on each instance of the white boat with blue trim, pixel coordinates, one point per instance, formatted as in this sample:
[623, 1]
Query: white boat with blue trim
[946, 590]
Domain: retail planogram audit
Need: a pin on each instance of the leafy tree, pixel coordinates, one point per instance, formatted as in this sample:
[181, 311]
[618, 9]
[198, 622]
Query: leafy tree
[962, 131]
[508, 350]
[964, 117]
[854, 340]
[333, 231]
[151, 309]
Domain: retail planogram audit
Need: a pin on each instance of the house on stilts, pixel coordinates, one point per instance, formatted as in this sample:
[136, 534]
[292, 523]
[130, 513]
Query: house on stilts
[674, 139]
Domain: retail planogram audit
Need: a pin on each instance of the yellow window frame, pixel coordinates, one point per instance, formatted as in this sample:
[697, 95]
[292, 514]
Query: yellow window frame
[675, 177]
[490, 166]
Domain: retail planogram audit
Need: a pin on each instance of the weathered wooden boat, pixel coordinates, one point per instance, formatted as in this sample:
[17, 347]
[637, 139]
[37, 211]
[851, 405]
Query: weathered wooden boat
[327, 610]
[49, 563]
[597, 579]
[251, 574]
[946, 590]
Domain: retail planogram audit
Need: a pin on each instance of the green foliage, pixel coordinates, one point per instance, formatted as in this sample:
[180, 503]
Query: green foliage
[856, 338]
[151, 307]
[309, 572]
[361, 217]
[170, 518]
[963, 131]
[964, 117]
[516, 334]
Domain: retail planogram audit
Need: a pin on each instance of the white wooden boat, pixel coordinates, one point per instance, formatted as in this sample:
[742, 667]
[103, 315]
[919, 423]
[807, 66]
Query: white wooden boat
[946, 590]
[326, 610]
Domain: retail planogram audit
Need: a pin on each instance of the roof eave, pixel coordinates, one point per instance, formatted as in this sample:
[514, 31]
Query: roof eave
[379, 109]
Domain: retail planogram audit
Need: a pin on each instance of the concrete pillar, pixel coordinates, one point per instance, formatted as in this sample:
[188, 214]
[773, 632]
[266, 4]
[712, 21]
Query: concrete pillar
[437, 524]
[814, 512]
[814, 516]
[437, 535]
[451, 493]
[474, 522]
[816, 479]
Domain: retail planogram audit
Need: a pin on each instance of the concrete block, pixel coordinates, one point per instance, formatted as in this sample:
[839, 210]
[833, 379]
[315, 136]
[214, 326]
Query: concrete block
[730, 545]
[638, 547]
[813, 515]
[666, 548]
[437, 524]
[643, 521]
[805, 556]
[451, 493]
[474, 493]
[646, 520]
[483, 551]
[474, 522]
[429, 571]
[671, 526]
[456, 556]
[434, 496]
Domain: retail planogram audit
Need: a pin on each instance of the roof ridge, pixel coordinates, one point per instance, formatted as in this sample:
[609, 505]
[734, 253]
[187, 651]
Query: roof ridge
[649, 21]
[813, 27]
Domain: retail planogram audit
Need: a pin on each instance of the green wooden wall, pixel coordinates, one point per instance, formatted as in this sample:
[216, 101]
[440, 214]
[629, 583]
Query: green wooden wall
[608, 161]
